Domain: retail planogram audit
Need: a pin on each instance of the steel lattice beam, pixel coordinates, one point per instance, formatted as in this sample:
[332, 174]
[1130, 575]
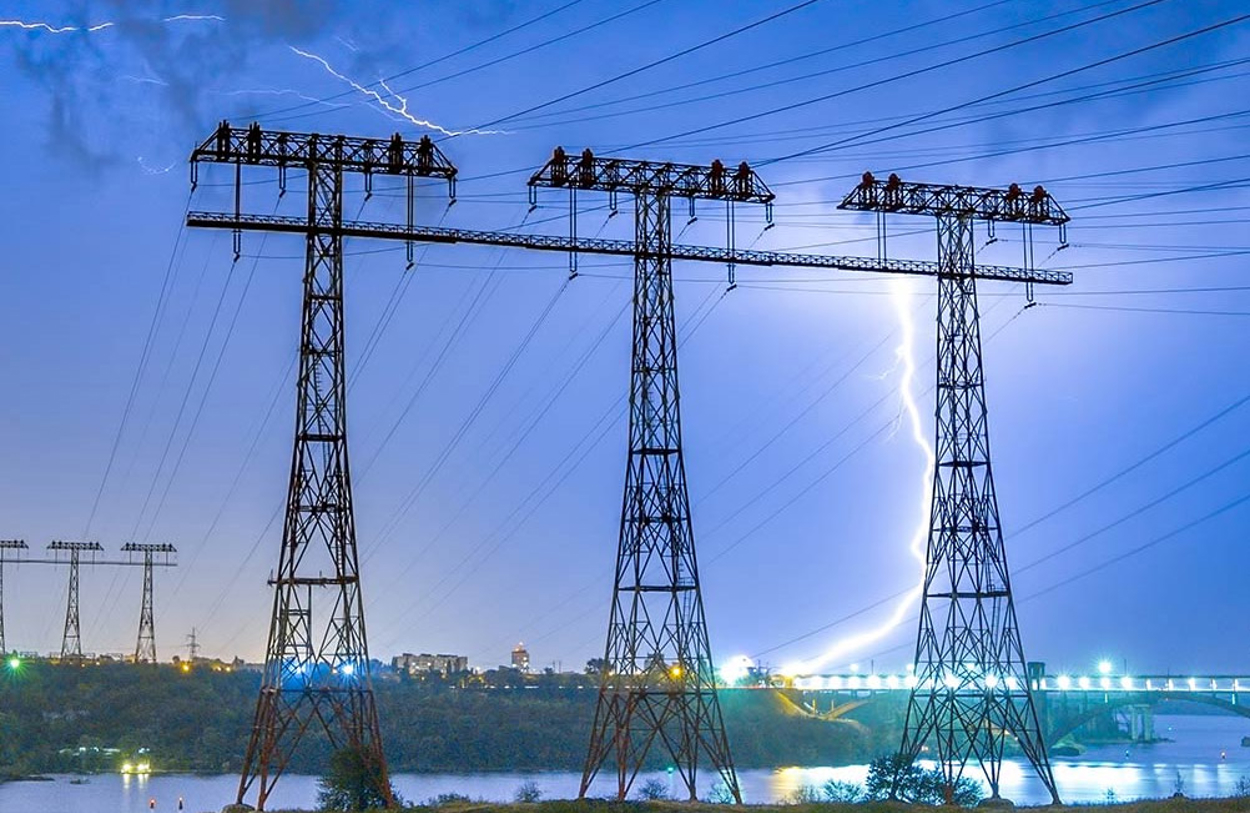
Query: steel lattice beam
[1010, 205]
[277, 148]
[620, 248]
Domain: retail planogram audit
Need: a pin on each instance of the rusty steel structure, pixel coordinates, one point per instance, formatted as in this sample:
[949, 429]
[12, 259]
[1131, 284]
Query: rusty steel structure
[970, 689]
[657, 617]
[317, 671]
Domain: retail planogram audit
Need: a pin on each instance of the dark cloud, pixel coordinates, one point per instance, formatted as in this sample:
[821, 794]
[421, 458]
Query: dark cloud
[142, 85]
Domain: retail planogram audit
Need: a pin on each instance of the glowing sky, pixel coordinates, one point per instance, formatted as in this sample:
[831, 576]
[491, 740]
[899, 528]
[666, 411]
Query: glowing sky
[805, 472]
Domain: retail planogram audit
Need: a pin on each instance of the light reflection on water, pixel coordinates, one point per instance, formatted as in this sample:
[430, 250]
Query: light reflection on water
[1148, 771]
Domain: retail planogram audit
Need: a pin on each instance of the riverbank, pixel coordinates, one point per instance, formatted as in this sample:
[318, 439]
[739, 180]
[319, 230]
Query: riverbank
[1233, 805]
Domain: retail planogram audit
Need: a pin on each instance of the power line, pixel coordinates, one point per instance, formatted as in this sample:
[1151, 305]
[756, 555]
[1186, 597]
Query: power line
[655, 63]
[894, 78]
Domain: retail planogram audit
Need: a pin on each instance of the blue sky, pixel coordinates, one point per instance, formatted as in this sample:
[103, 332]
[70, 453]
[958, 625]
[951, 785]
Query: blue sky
[806, 482]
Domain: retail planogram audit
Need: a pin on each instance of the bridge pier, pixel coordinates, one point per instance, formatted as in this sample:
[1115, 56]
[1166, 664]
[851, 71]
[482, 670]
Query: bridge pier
[1141, 722]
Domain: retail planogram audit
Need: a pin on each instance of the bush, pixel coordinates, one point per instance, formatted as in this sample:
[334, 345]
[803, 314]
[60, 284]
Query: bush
[528, 792]
[447, 799]
[804, 795]
[653, 790]
[897, 776]
[843, 792]
[720, 794]
[353, 783]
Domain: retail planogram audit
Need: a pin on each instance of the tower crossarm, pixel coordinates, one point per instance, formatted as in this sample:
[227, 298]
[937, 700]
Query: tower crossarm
[60, 545]
[541, 242]
[708, 182]
[278, 148]
[135, 547]
[1010, 205]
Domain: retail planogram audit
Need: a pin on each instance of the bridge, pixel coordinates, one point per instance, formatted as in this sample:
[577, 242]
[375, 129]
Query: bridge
[1066, 701]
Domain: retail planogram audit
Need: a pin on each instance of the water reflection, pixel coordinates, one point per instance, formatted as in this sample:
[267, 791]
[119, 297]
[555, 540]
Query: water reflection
[1193, 762]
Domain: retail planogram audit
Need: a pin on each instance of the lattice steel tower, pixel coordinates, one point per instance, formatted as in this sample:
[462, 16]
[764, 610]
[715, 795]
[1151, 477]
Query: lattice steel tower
[659, 681]
[317, 672]
[71, 639]
[971, 689]
[6, 545]
[145, 647]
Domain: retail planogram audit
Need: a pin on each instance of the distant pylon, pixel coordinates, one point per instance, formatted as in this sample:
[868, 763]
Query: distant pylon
[71, 639]
[145, 647]
[970, 689]
[658, 684]
[6, 544]
[193, 646]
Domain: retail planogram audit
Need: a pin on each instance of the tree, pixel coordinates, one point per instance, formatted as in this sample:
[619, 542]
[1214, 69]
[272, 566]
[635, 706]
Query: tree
[353, 783]
[897, 776]
[596, 666]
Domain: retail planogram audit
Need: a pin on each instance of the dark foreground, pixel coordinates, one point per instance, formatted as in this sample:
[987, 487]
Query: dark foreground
[1233, 805]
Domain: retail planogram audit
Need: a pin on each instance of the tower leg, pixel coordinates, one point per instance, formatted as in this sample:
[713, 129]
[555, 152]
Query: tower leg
[317, 672]
[658, 684]
[972, 687]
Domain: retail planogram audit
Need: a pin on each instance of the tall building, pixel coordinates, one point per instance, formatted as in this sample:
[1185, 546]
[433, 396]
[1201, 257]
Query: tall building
[520, 658]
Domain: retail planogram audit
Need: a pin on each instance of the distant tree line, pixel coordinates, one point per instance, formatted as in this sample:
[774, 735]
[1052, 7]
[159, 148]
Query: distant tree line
[65, 718]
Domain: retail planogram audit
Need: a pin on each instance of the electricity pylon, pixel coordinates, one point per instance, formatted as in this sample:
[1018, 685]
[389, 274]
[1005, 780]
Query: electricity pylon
[658, 684]
[652, 245]
[317, 671]
[71, 639]
[145, 647]
[971, 686]
[5, 545]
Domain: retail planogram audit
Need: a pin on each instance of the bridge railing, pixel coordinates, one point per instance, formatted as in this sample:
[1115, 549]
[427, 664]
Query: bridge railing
[1222, 684]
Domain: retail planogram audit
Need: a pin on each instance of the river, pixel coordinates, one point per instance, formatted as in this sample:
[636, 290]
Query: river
[1205, 756]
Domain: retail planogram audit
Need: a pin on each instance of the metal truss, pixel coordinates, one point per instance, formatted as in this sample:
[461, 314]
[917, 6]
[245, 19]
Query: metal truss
[658, 684]
[145, 646]
[6, 545]
[622, 248]
[658, 688]
[1010, 205]
[971, 691]
[317, 667]
[71, 639]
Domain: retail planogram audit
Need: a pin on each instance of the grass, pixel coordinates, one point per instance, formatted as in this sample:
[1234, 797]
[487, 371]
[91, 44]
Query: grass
[1229, 805]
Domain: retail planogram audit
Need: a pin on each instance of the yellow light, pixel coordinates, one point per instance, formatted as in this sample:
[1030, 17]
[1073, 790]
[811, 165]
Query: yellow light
[186, 667]
[127, 767]
[675, 671]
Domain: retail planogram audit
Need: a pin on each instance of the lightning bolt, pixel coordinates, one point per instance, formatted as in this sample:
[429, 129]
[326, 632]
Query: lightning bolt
[194, 17]
[402, 109]
[53, 29]
[905, 354]
[91, 29]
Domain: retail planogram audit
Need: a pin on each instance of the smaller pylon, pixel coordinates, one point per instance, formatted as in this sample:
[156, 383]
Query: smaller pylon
[145, 647]
[6, 544]
[71, 639]
[193, 645]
